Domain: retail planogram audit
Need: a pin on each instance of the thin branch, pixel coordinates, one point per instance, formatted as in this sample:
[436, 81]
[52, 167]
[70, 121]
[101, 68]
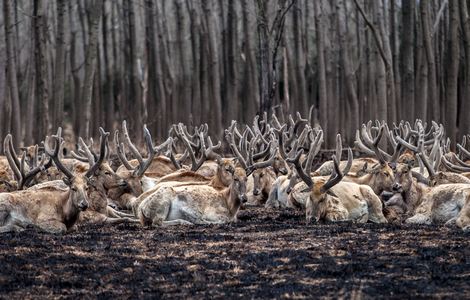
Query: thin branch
[438, 17]
[375, 33]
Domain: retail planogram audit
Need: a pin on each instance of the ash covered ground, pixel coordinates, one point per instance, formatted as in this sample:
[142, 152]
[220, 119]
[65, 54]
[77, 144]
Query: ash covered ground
[266, 254]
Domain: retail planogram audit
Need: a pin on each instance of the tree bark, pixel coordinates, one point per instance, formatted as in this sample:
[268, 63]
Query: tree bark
[349, 77]
[59, 72]
[465, 21]
[42, 99]
[432, 100]
[90, 64]
[453, 70]
[407, 60]
[11, 70]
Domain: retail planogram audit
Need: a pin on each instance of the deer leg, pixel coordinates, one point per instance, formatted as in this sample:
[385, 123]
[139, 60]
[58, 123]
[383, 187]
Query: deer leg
[419, 219]
[11, 227]
[374, 206]
[120, 220]
[452, 222]
[176, 222]
[111, 212]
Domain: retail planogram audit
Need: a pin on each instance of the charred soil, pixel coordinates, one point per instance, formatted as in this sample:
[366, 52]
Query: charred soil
[266, 254]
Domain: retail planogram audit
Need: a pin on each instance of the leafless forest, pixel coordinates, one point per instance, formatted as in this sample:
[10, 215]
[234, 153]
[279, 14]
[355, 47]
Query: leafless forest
[204, 149]
[94, 63]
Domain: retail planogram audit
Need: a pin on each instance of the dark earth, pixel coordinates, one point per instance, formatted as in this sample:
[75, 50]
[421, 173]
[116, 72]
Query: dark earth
[266, 254]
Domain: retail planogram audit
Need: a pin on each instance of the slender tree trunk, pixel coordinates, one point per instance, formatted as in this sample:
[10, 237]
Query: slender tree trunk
[233, 104]
[453, 71]
[464, 126]
[59, 72]
[196, 104]
[249, 94]
[11, 70]
[407, 59]
[264, 56]
[136, 75]
[432, 100]
[349, 77]
[108, 65]
[39, 13]
[216, 111]
[90, 64]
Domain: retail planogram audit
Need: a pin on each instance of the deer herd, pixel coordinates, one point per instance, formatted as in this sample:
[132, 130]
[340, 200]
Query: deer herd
[406, 173]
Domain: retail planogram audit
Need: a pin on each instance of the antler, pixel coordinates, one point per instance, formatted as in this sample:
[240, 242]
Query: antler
[195, 164]
[95, 165]
[151, 150]
[21, 177]
[54, 154]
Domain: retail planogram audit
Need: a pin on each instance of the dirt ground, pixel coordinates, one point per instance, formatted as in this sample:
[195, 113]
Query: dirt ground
[266, 254]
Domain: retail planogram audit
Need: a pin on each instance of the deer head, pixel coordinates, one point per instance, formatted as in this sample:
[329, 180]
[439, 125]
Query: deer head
[320, 189]
[78, 184]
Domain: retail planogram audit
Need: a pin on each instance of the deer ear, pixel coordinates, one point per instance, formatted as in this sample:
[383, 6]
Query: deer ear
[67, 181]
[331, 193]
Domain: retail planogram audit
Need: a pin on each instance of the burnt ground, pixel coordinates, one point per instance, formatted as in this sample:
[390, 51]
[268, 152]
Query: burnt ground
[266, 254]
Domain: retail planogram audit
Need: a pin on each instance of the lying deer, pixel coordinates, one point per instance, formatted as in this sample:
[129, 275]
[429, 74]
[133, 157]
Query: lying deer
[52, 209]
[177, 202]
[331, 199]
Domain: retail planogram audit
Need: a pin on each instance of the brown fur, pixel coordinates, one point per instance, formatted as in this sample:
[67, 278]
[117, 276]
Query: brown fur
[193, 202]
[344, 201]
[50, 208]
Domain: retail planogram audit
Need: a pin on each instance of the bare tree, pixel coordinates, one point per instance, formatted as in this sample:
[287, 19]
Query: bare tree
[11, 68]
[95, 7]
[42, 91]
[269, 37]
[453, 71]
[59, 72]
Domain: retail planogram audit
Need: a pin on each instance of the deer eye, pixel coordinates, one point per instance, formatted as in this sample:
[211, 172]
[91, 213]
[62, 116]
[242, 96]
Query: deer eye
[74, 189]
[107, 173]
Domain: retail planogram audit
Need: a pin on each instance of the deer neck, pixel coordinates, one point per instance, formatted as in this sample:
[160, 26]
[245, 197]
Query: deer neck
[218, 183]
[70, 213]
[414, 195]
[231, 200]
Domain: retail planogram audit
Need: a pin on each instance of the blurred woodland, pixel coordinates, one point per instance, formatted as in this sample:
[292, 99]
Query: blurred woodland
[91, 63]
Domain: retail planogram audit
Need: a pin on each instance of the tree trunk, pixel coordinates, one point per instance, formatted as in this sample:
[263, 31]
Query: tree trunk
[265, 79]
[11, 71]
[453, 71]
[407, 60]
[90, 64]
[432, 100]
[59, 72]
[349, 77]
[464, 126]
[42, 91]
[232, 103]
[108, 66]
[216, 111]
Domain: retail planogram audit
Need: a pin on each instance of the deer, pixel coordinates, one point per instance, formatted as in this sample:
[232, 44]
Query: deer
[175, 202]
[331, 199]
[53, 208]
[440, 198]
[158, 166]
[102, 180]
[260, 180]
[135, 175]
